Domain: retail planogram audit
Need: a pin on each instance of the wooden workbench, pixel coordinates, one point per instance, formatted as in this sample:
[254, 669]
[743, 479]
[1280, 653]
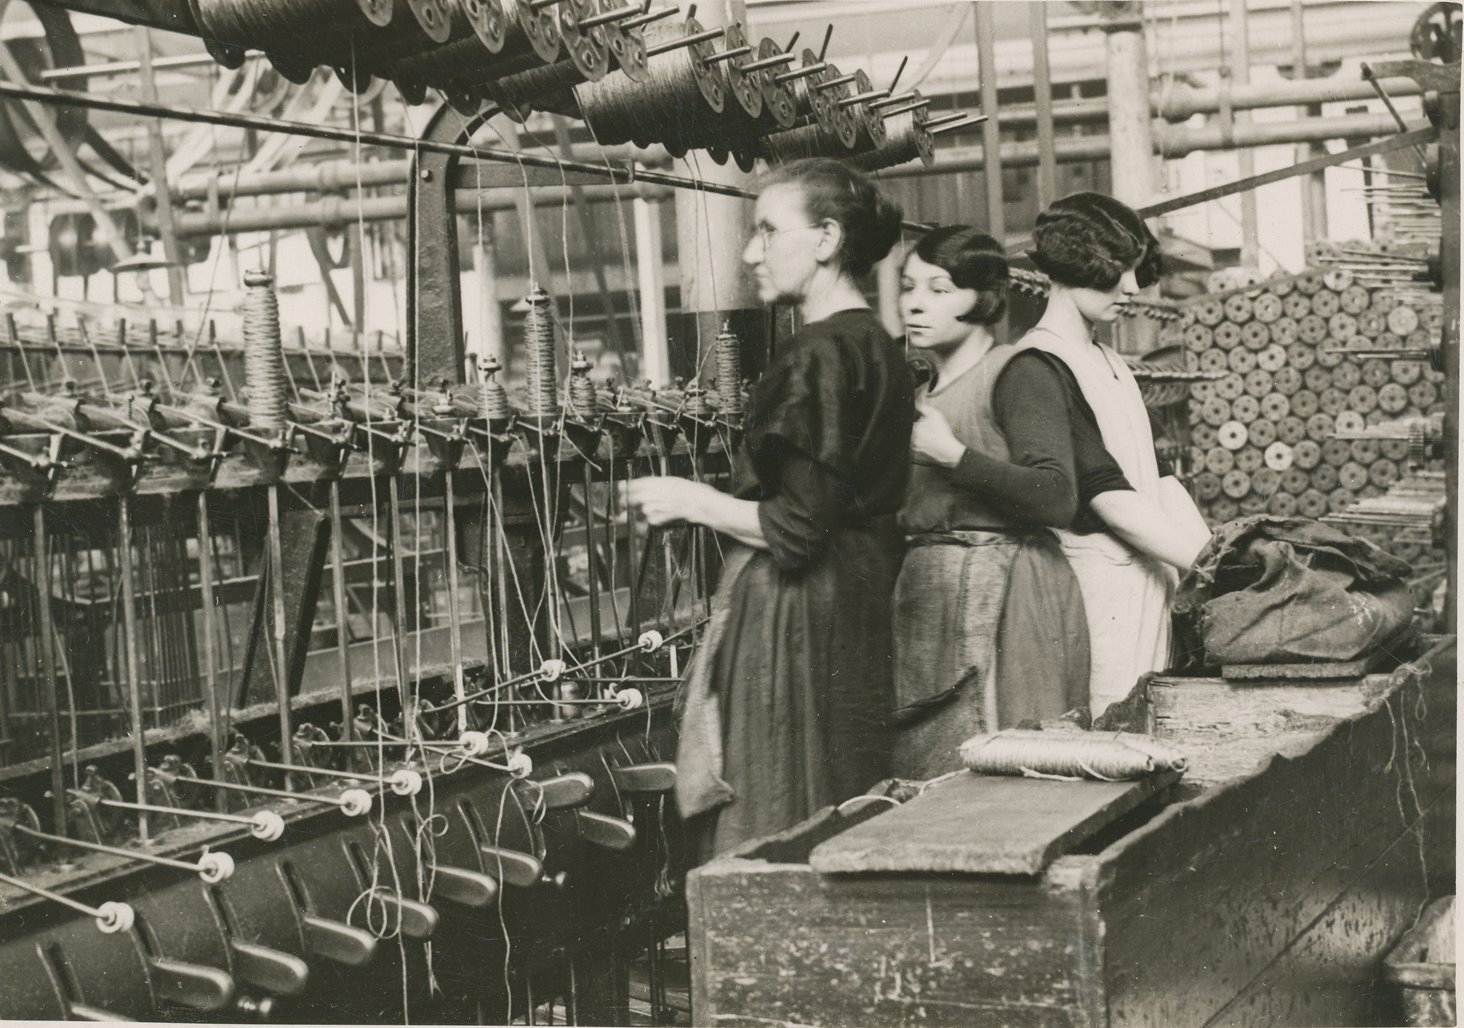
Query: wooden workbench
[1265, 891]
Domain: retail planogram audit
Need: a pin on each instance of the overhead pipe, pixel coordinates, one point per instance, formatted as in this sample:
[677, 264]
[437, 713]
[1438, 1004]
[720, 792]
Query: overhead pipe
[1168, 141]
[336, 211]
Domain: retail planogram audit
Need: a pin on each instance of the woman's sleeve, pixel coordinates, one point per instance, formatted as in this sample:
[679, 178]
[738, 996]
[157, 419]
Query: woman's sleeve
[798, 522]
[798, 438]
[1038, 483]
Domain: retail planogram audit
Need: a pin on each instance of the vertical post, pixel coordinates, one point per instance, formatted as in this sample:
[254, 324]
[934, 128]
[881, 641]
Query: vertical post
[1042, 98]
[1130, 128]
[158, 163]
[1449, 338]
[210, 651]
[48, 690]
[1131, 135]
[710, 233]
[490, 313]
[1314, 186]
[1250, 245]
[990, 128]
[129, 645]
[650, 266]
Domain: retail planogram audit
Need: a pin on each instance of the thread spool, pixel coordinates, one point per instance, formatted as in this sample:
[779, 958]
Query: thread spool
[869, 127]
[549, 87]
[906, 139]
[827, 88]
[280, 28]
[676, 105]
[264, 356]
[539, 353]
[525, 39]
[650, 640]
[493, 403]
[627, 45]
[729, 371]
[778, 111]
[583, 399]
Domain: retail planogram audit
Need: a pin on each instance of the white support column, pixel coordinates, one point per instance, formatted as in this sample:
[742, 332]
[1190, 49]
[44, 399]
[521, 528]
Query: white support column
[655, 356]
[1131, 136]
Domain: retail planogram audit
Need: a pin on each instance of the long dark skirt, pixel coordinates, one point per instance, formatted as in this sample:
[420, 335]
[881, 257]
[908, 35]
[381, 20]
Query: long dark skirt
[803, 682]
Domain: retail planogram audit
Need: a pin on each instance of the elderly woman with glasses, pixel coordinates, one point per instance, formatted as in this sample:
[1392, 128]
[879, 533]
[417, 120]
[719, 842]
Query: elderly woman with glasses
[788, 699]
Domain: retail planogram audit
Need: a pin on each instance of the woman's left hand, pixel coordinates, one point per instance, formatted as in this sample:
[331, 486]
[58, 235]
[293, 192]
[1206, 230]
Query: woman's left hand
[932, 441]
[664, 500]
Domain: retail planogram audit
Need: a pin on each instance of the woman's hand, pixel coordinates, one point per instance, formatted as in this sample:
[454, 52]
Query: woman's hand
[664, 501]
[932, 441]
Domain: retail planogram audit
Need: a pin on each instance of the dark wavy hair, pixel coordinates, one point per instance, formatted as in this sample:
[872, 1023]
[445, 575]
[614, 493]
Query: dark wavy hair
[974, 261]
[1088, 240]
[837, 192]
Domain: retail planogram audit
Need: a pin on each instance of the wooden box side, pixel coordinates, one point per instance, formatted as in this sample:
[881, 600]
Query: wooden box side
[1310, 860]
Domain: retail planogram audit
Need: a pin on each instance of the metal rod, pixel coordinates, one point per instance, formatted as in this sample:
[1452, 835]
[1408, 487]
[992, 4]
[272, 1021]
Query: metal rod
[398, 585]
[705, 36]
[344, 801]
[606, 17]
[950, 126]
[944, 119]
[594, 580]
[799, 73]
[130, 643]
[836, 81]
[727, 55]
[1372, 80]
[454, 629]
[45, 644]
[622, 174]
[768, 62]
[327, 772]
[823, 51]
[54, 897]
[277, 628]
[893, 111]
[198, 866]
[897, 98]
[640, 20]
[210, 643]
[859, 98]
[899, 72]
[202, 815]
[1304, 168]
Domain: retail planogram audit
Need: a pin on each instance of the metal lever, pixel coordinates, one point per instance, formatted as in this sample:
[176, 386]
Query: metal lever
[191, 985]
[335, 941]
[469, 888]
[605, 831]
[274, 971]
[657, 777]
[82, 1012]
[561, 793]
[512, 866]
[417, 920]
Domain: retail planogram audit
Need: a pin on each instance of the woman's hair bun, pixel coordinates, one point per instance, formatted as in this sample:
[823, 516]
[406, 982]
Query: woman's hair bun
[834, 191]
[1088, 240]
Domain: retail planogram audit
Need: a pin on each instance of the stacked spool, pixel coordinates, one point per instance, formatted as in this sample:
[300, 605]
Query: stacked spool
[1264, 438]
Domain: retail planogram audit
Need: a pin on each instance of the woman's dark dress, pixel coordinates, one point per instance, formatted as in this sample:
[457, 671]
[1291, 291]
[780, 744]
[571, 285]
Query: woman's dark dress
[802, 673]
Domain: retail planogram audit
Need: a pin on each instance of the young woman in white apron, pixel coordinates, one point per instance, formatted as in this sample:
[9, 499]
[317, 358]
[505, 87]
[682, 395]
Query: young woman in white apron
[1099, 253]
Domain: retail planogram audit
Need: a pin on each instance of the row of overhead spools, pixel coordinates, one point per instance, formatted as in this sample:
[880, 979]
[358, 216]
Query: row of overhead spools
[1314, 384]
[632, 73]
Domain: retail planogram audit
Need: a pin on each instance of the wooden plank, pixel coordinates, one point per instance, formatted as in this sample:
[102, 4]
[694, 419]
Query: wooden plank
[1226, 729]
[1332, 973]
[966, 824]
[1250, 867]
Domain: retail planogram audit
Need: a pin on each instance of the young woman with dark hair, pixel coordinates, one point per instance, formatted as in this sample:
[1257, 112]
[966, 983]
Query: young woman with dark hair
[788, 699]
[1136, 527]
[989, 626]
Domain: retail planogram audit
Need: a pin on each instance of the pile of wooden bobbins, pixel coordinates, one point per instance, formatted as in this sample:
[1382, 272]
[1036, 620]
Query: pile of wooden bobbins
[1307, 361]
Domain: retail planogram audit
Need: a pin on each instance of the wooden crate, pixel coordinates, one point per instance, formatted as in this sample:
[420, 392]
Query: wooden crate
[1269, 896]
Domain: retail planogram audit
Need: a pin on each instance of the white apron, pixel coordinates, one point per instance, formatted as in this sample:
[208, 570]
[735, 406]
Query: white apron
[1126, 594]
